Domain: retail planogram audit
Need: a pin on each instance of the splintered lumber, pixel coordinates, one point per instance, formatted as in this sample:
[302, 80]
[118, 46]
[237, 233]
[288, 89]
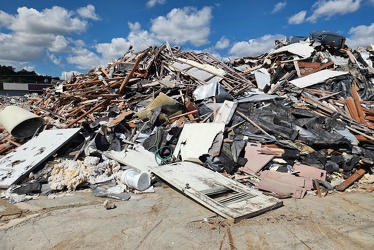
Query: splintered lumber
[128, 77]
[86, 113]
[360, 112]
[345, 184]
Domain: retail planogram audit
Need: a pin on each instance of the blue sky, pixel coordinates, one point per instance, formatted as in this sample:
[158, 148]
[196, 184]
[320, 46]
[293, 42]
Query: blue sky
[58, 37]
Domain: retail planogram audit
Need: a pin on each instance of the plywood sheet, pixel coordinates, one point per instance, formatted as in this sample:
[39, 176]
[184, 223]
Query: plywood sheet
[24, 159]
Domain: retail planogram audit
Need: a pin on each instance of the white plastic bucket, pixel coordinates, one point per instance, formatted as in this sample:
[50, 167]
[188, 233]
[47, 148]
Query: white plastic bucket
[134, 179]
[20, 122]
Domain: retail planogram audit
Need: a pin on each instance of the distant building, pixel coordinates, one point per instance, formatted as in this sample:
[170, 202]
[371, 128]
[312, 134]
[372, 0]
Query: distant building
[17, 89]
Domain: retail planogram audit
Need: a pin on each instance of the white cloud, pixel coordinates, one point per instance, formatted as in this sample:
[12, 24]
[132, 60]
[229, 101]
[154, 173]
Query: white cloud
[53, 58]
[223, 43]
[66, 75]
[116, 48]
[297, 18]
[12, 50]
[88, 12]
[255, 47]
[35, 34]
[84, 58]
[371, 2]
[327, 9]
[360, 36]
[187, 25]
[152, 3]
[5, 19]
[49, 21]
[278, 7]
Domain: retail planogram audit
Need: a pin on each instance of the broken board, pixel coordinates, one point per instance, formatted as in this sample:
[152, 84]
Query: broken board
[228, 198]
[24, 159]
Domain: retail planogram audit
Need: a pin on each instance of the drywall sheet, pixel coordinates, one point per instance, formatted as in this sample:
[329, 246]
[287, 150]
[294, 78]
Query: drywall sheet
[138, 158]
[24, 159]
[300, 49]
[222, 195]
[318, 77]
[196, 139]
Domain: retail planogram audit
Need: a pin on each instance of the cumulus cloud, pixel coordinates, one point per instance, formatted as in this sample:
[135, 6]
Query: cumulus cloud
[84, 58]
[278, 7]
[53, 58]
[297, 18]
[360, 36]
[56, 20]
[187, 25]
[223, 43]
[5, 19]
[327, 9]
[33, 34]
[152, 3]
[12, 50]
[66, 75]
[88, 12]
[255, 47]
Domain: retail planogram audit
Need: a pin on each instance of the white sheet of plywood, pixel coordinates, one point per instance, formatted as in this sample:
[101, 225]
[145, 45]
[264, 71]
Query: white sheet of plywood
[196, 139]
[318, 77]
[24, 159]
[222, 195]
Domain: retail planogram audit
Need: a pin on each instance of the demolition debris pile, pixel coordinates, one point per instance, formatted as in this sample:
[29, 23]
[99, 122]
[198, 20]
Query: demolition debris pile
[295, 119]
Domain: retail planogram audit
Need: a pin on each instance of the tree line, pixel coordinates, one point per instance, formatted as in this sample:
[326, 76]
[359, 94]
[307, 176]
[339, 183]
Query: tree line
[9, 74]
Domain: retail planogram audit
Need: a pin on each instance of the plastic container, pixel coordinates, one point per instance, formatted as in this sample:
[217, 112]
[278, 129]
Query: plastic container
[134, 179]
[20, 122]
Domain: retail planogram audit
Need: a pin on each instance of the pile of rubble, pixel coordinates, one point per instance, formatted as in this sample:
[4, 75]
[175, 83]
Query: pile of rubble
[295, 119]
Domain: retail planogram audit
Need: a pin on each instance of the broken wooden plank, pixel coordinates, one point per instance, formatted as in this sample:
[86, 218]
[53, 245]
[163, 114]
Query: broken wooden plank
[86, 113]
[128, 77]
[253, 123]
[24, 159]
[345, 184]
[226, 197]
[360, 112]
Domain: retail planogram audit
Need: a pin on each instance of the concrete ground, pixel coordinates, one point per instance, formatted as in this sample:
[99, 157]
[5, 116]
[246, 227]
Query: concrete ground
[167, 219]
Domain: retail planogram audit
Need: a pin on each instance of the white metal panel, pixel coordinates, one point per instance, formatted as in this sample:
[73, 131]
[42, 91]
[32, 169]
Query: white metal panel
[24, 159]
